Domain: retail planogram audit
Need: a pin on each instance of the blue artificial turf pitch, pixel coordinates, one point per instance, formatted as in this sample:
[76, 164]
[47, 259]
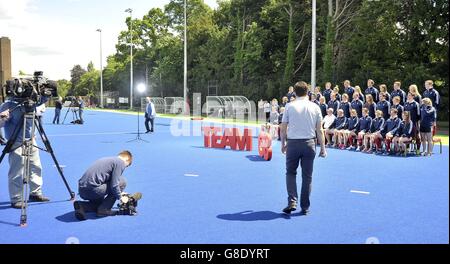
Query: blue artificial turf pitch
[230, 196]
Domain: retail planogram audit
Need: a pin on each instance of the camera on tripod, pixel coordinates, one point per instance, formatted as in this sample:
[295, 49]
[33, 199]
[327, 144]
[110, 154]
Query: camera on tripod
[29, 90]
[71, 101]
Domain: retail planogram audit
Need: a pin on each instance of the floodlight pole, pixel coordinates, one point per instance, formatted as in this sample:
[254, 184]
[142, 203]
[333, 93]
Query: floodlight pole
[129, 10]
[313, 47]
[101, 70]
[185, 96]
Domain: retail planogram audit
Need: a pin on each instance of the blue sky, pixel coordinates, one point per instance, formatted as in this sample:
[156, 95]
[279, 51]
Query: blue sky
[52, 36]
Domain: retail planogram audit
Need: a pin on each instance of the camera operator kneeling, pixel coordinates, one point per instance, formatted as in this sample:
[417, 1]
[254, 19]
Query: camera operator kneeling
[101, 185]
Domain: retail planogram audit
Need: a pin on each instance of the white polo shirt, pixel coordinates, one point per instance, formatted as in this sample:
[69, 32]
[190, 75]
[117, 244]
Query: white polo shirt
[302, 117]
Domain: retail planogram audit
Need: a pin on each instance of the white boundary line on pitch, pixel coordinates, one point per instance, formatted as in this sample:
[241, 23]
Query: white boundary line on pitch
[90, 134]
[361, 192]
[191, 175]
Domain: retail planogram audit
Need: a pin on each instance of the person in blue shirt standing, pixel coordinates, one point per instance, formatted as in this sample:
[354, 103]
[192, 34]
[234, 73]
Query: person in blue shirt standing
[357, 104]
[398, 92]
[396, 104]
[427, 122]
[323, 106]
[383, 90]
[334, 103]
[413, 107]
[150, 115]
[348, 89]
[431, 93]
[58, 107]
[11, 112]
[327, 93]
[384, 106]
[370, 105]
[81, 108]
[290, 93]
[345, 105]
[372, 90]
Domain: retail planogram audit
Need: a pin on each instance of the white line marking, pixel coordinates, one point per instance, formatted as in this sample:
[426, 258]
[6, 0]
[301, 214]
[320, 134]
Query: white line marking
[361, 192]
[61, 166]
[191, 175]
[90, 134]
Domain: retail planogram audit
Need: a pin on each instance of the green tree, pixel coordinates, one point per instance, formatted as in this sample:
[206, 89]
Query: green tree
[75, 75]
[63, 87]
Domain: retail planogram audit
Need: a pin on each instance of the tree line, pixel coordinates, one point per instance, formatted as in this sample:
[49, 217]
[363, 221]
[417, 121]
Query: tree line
[258, 48]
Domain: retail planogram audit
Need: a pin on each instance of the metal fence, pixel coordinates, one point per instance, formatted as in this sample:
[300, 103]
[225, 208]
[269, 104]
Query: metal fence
[227, 106]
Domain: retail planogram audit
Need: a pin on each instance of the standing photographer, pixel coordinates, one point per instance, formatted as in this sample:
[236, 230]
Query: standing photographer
[81, 108]
[11, 112]
[58, 107]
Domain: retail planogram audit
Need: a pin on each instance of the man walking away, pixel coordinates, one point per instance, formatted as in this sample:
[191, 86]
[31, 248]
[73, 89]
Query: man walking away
[301, 124]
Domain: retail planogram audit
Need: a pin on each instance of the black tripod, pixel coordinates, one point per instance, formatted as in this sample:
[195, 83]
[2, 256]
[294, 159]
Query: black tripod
[74, 113]
[138, 137]
[27, 145]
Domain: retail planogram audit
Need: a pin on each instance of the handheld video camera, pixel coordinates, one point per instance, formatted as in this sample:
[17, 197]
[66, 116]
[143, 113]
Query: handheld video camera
[130, 206]
[31, 89]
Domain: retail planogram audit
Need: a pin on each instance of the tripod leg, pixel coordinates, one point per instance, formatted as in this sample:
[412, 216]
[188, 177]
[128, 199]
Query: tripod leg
[50, 150]
[66, 115]
[26, 152]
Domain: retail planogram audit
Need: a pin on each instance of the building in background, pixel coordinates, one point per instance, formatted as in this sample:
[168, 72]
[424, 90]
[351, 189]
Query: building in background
[5, 61]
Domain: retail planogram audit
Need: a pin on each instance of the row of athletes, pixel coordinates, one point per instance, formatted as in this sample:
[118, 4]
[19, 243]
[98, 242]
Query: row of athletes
[367, 134]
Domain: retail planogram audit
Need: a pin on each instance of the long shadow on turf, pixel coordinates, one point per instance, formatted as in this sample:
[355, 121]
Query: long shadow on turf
[250, 215]
[70, 217]
[254, 158]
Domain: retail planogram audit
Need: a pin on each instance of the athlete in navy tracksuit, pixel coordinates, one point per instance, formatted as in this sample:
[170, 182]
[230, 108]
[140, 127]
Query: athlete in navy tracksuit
[384, 106]
[376, 129]
[352, 129]
[404, 133]
[390, 129]
[327, 92]
[345, 105]
[427, 122]
[396, 105]
[357, 104]
[431, 93]
[398, 92]
[371, 105]
[323, 106]
[334, 103]
[413, 108]
[348, 89]
[365, 122]
[372, 90]
[340, 124]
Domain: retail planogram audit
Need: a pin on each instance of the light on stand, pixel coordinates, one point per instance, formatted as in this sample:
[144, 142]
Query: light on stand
[141, 89]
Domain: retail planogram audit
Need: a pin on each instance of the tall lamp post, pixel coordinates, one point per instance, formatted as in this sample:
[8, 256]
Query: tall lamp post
[101, 69]
[313, 47]
[129, 10]
[185, 96]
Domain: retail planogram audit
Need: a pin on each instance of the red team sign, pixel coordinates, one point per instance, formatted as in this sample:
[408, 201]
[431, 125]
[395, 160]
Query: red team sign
[265, 145]
[218, 137]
